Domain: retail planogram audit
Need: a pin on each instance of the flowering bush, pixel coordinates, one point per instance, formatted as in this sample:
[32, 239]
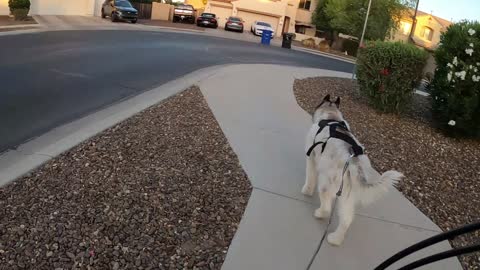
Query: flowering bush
[456, 86]
[387, 73]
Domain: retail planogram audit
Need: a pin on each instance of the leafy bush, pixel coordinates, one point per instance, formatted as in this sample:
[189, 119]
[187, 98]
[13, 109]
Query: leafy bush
[387, 73]
[20, 14]
[456, 85]
[18, 4]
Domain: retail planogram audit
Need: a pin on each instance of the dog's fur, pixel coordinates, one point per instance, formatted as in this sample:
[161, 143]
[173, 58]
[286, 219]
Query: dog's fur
[362, 183]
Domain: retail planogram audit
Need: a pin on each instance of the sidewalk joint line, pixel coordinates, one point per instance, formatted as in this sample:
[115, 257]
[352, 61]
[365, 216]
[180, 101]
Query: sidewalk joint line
[281, 195]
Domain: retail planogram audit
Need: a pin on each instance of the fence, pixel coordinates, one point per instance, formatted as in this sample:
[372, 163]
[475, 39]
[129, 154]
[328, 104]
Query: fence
[144, 10]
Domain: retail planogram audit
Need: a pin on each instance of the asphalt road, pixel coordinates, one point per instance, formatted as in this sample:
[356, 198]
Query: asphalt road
[53, 78]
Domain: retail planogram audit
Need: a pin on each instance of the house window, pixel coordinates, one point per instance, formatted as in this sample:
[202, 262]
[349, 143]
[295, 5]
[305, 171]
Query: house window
[405, 27]
[427, 33]
[305, 4]
[300, 29]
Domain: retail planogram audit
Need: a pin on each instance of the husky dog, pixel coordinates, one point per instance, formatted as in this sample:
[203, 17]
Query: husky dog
[327, 157]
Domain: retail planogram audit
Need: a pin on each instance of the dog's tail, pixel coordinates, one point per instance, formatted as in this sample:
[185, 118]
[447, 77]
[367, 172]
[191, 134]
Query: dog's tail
[372, 185]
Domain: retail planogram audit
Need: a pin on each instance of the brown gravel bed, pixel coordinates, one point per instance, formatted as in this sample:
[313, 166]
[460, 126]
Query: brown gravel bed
[442, 174]
[7, 21]
[162, 190]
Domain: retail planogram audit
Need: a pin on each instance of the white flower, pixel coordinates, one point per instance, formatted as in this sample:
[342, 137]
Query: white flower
[471, 45]
[449, 65]
[449, 76]
[476, 78]
[455, 61]
[471, 32]
[451, 123]
[461, 74]
[478, 64]
[475, 69]
[469, 51]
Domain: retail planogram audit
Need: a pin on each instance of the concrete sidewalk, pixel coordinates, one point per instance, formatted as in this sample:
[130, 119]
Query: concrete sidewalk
[258, 113]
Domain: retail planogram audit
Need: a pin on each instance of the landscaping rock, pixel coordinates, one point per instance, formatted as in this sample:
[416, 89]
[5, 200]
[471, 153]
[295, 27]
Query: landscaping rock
[140, 195]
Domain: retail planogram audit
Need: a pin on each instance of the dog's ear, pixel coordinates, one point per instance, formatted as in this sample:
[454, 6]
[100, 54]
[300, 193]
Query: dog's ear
[337, 102]
[326, 98]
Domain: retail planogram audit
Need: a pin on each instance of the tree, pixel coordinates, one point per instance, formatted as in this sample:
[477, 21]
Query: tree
[347, 16]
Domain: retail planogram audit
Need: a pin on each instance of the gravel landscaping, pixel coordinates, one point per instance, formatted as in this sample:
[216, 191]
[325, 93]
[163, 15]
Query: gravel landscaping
[9, 21]
[162, 190]
[442, 174]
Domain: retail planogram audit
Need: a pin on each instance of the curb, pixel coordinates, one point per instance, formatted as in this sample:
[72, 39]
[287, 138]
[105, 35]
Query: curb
[329, 55]
[20, 26]
[32, 154]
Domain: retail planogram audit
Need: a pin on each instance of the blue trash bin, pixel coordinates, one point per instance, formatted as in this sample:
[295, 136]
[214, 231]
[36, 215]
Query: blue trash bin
[266, 37]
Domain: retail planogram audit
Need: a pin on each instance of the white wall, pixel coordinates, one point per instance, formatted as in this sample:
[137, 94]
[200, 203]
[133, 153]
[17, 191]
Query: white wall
[4, 10]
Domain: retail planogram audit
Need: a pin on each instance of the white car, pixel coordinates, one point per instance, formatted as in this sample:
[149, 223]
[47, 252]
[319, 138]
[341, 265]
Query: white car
[258, 27]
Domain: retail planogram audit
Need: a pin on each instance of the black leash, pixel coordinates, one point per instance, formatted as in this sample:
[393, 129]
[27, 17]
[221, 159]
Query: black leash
[339, 193]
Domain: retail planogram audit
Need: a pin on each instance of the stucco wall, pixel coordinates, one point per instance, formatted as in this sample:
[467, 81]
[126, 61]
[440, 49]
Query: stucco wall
[4, 10]
[161, 11]
[303, 15]
[291, 12]
[197, 4]
[62, 7]
[432, 23]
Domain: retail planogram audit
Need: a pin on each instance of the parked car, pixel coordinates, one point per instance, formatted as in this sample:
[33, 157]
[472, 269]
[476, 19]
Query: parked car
[119, 10]
[258, 27]
[235, 24]
[207, 19]
[184, 13]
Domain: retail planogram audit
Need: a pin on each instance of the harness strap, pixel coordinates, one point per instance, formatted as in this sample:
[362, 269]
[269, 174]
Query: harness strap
[356, 148]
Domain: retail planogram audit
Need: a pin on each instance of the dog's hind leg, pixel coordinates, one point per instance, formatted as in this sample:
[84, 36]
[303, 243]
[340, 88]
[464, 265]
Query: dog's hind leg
[326, 199]
[311, 177]
[346, 211]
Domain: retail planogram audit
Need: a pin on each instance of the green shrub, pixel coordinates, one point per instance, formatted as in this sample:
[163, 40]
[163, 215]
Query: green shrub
[456, 85]
[20, 14]
[18, 4]
[387, 73]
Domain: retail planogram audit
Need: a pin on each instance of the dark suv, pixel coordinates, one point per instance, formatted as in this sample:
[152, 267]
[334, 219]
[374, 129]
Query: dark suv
[119, 10]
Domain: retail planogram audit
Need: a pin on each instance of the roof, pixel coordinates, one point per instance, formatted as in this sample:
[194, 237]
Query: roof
[443, 22]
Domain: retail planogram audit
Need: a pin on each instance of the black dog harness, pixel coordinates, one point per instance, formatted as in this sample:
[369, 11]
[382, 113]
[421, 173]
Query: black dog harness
[334, 133]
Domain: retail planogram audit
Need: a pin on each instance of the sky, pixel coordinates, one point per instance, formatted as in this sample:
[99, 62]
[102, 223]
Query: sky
[452, 9]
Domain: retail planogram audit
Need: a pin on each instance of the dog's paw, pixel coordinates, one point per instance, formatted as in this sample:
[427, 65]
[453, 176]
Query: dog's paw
[335, 239]
[321, 213]
[307, 190]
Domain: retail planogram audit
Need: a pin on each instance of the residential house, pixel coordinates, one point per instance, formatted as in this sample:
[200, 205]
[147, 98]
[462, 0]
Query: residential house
[426, 35]
[427, 32]
[285, 16]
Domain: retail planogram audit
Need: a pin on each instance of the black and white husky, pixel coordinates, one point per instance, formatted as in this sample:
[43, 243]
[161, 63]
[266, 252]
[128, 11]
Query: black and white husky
[330, 146]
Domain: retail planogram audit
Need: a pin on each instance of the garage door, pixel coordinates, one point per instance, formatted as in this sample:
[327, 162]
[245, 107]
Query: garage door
[250, 17]
[60, 7]
[222, 14]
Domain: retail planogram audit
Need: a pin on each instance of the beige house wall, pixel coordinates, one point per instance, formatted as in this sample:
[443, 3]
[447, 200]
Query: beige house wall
[427, 21]
[197, 4]
[291, 12]
[4, 10]
[62, 7]
[422, 21]
[304, 15]
[221, 10]
[161, 11]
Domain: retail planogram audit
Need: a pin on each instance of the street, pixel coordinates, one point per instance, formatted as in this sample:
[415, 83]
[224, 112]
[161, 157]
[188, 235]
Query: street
[52, 78]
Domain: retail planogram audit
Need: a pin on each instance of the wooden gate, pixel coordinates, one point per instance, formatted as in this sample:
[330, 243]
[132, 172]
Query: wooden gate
[144, 10]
